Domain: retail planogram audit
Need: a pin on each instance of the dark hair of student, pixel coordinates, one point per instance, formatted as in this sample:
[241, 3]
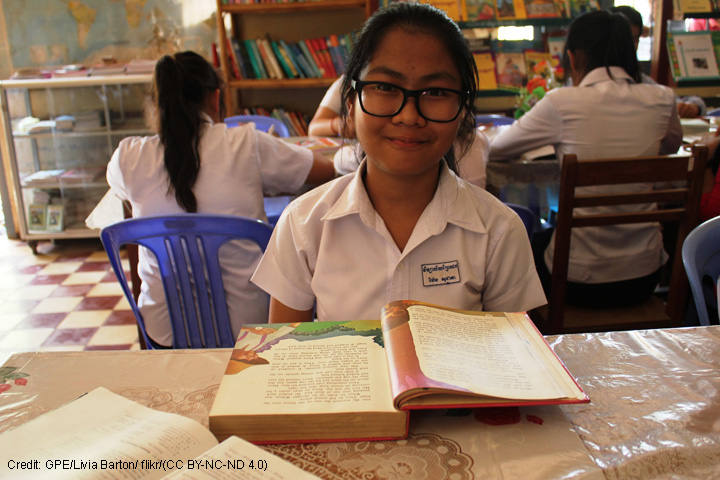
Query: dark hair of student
[180, 88]
[633, 16]
[601, 39]
[416, 18]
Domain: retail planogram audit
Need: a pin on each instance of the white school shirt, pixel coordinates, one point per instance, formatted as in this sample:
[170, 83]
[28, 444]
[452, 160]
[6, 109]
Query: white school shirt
[237, 165]
[467, 251]
[602, 118]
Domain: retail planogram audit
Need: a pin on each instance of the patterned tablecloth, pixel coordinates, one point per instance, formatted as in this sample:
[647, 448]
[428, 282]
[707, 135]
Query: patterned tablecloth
[655, 411]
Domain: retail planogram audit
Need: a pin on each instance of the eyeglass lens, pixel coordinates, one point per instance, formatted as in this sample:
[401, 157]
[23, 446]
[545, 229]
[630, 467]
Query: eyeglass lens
[384, 99]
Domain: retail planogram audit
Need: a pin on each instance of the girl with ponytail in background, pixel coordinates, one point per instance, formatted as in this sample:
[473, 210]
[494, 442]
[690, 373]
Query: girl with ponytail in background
[196, 164]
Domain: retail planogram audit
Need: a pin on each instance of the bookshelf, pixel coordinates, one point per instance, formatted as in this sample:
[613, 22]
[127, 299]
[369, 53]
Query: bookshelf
[291, 22]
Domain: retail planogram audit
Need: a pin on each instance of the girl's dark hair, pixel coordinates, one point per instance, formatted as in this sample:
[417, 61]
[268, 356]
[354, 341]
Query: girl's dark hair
[601, 39]
[182, 83]
[416, 18]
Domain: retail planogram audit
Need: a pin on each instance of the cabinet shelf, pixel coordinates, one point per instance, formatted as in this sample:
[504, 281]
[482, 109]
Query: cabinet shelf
[273, 8]
[285, 83]
[535, 22]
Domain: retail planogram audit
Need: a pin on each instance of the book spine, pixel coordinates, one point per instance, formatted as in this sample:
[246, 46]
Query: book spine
[251, 44]
[324, 55]
[309, 59]
[303, 61]
[274, 62]
[239, 57]
[312, 55]
[335, 55]
[281, 60]
[265, 60]
[288, 56]
[253, 59]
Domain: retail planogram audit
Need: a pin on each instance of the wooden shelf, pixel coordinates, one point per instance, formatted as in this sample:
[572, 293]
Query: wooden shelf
[284, 83]
[535, 22]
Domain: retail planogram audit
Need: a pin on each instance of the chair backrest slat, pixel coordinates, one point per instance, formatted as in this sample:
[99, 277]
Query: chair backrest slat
[187, 250]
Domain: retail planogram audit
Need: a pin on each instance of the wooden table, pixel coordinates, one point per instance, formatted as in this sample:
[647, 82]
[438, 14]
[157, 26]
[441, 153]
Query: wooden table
[655, 412]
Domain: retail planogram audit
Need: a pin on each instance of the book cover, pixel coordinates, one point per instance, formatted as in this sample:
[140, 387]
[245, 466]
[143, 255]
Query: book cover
[511, 71]
[55, 218]
[313, 57]
[290, 57]
[284, 63]
[480, 10]
[578, 7]
[233, 60]
[544, 9]
[455, 9]
[487, 75]
[333, 45]
[510, 9]
[697, 6]
[279, 73]
[260, 46]
[252, 46]
[318, 45]
[36, 217]
[692, 55]
[242, 63]
[357, 380]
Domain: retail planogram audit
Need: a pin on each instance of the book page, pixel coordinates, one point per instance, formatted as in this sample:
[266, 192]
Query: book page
[317, 367]
[236, 458]
[102, 435]
[482, 353]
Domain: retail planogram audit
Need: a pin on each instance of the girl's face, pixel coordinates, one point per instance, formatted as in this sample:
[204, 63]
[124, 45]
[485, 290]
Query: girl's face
[406, 144]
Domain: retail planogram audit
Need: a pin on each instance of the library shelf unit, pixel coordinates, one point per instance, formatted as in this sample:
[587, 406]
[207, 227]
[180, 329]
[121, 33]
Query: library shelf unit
[56, 171]
[290, 21]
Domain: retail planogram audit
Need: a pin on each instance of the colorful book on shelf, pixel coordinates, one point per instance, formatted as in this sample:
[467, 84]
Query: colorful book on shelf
[256, 59]
[544, 9]
[120, 438]
[240, 58]
[698, 6]
[284, 63]
[693, 55]
[305, 60]
[333, 45]
[324, 54]
[511, 70]
[312, 55]
[455, 9]
[578, 7]
[487, 75]
[510, 10]
[358, 380]
[290, 57]
[480, 10]
[264, 59]
[274, 62]
[233, 60]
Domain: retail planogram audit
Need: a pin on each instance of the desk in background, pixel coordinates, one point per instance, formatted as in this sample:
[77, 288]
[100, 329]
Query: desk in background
[654, 411]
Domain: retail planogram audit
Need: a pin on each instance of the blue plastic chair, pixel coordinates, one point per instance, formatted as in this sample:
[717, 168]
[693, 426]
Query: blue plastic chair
[701, 257]
[495, 120]
[527, 216]
[261, 122]
[186, 247]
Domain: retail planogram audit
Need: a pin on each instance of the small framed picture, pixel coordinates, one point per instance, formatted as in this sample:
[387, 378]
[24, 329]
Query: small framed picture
[55, 218]
[36, 217]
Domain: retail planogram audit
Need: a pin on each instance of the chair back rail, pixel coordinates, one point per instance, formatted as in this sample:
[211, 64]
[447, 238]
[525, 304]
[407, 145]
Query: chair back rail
[187, 250]
[673, 204]
[701, 258]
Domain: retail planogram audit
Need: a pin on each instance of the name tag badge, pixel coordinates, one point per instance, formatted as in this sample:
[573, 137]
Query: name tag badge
[440, 273]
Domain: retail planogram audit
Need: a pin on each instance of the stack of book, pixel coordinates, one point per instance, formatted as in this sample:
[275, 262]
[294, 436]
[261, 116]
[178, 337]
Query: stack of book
[264, 58]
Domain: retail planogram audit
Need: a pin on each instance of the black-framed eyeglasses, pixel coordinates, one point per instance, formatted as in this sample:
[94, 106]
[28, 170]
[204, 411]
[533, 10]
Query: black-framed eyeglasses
[382, 99]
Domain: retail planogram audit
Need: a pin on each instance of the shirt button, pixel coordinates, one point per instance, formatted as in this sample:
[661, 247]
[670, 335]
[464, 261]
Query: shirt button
[401, 267]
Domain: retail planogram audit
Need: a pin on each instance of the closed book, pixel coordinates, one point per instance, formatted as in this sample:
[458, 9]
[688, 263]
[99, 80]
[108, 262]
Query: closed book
[333, 46]
[312, 55]
[232, 59]
[361, 380]
[308, 58]
[287, 67]
[324, 55]
[256, 59]
[242, 63]
[279, 72]
[270, 71]
[290, 58]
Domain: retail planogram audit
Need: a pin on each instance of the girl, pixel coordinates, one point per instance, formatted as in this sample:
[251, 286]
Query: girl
[607, 113]
[196, 164]
[403, 226]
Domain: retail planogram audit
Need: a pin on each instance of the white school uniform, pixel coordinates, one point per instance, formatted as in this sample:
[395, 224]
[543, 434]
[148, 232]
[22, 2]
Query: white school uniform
[238, 165]
[602, 118]
[467, 251]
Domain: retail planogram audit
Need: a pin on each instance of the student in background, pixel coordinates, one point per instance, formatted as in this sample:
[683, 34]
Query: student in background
[327, 122]
[403, 226]
[195, 164]
[688, 107]
[606, 113]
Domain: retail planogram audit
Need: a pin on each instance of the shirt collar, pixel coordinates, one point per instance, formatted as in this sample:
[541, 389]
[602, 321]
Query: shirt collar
[453, 202]
[204, 116]
[601, 75]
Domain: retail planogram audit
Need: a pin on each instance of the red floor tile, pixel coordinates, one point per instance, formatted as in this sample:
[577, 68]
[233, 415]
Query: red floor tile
[110, 277]
[98, 303]
[30, 269]
[49, 279]
[42, 320]
[120, 317]
[72, 290]
[69, 336]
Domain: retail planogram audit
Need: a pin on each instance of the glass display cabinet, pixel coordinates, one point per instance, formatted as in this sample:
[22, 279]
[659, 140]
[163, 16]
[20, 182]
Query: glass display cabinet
[59, 135]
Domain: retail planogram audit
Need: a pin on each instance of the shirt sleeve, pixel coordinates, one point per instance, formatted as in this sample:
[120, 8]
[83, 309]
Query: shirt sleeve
[284, 167]
[539, 127]
[332, 98]
[512, 286]
[472, 166]
[114, 175]
[695, 100]
[673, 137]
[284, 271]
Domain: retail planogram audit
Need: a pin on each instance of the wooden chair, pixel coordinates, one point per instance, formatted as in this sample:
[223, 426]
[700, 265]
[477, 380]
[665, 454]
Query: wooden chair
[674, 204]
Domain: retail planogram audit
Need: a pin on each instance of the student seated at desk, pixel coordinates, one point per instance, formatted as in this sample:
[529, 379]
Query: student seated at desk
[471, 160]
[196, 164]
[608, 113]
[403, 226]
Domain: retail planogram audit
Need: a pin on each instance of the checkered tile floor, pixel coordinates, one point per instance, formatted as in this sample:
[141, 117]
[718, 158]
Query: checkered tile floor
[64, 298]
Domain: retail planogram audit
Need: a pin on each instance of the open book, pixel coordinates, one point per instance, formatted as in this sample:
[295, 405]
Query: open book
[357, 380]
[104, 435]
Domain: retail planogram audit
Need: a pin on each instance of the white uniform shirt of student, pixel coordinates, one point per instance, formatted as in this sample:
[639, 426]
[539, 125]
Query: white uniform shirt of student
[238, 165]
[602, 118]
[467, 251]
